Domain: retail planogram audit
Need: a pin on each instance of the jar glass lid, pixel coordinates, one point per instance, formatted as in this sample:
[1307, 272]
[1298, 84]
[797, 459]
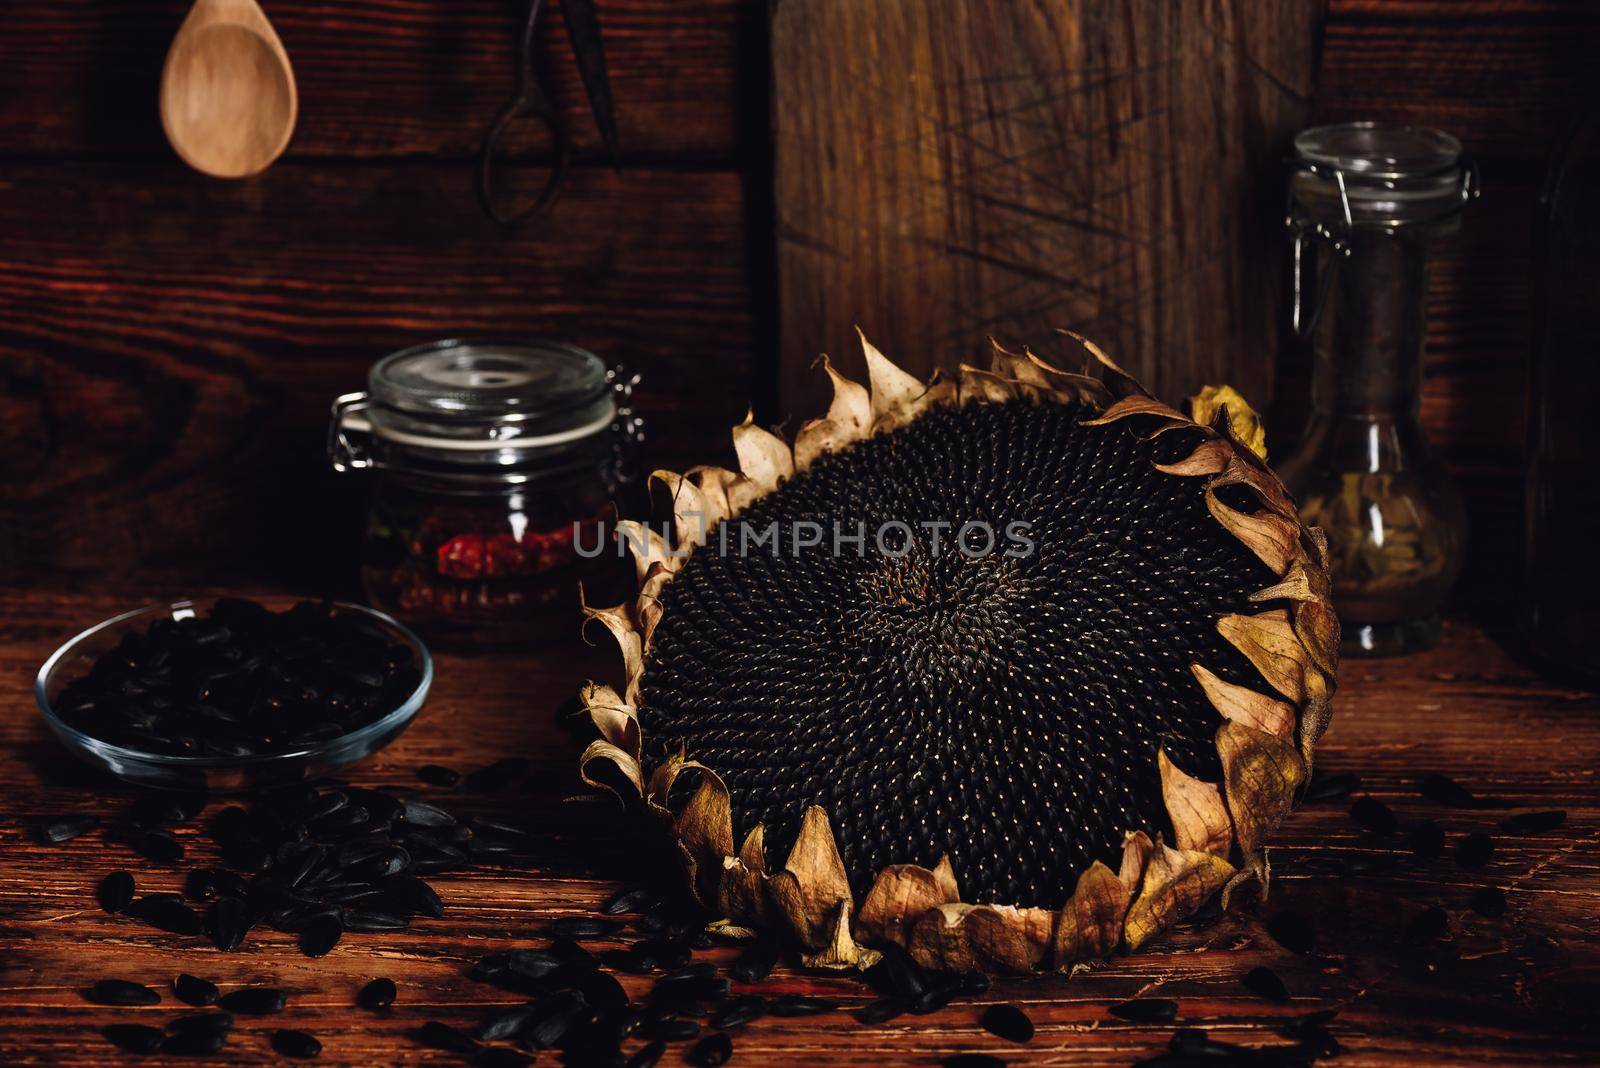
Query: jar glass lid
[492, 391]
[1380, 173]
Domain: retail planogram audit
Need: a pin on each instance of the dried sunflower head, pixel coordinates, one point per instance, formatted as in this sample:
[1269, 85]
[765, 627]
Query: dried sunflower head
[1014, 669]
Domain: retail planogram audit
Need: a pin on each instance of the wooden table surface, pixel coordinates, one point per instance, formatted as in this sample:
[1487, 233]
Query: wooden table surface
[1521, 989]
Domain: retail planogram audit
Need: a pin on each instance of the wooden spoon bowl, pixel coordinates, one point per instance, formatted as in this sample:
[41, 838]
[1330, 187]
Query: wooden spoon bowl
[228, 97]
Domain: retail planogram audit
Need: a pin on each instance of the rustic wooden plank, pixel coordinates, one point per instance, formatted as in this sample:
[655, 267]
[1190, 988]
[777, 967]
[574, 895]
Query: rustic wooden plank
[1503, 75]
[401, 77]
[966, 169]
[1514, 991]
[171, 344]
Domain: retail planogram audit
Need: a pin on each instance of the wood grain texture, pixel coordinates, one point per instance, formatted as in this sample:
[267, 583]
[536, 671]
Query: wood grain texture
[395, 78]
[1512, 991]
[171, 344]
[963, 169]
[1503, 75]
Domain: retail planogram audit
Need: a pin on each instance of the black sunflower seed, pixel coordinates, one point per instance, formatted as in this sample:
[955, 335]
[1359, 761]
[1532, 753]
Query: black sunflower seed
[896, 974]
[410, 895]
[422, 814]
[555, 1015]
[739, 1011]
[1195, 1042]
[378, 994]
[199, 1043]
[1426, 839]
[972, 1060]
[201, 1021]
[756, 962]
[321, 935]
[159, 846]
[1146, 1010]
[498, 776]
[1318, 1041]
[1337, 787]
[711, 1050]
[1263, 982]
[254, 1001]
[935, 998]
[882, 1011]
[438, 775]
[1488, 901]
[192, 990]
[506, 1023]
[531, 963]
[1007, 1022]
[974, 984]
[115, 891]
[648, 1055]
[53, 830]
[167, 913]
[1293, 931]
[603, 992]
[583, 927]
[438, 1035]
[1425, 926]
[628, 899]
[121, 992]
[1534, 822]
[373, 920]
[1474, 851]
[297, 1044]
[228, 921]
[1443, 790]
[134, 1038]
[801, 1005]
[1374, 815]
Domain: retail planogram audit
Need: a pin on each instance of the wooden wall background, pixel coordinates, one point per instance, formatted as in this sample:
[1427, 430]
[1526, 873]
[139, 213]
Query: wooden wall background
[169, 344]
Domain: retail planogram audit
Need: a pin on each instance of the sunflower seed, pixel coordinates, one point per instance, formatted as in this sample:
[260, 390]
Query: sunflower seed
[115, 891]
[711, 1050]
[896, 974]
[422, 814]
[201, 1021]
[254, 1001]
[297, 1044]
[935, 998]
[410, 895]
[1293, 931]
[378, 994]
[531, 963]
[554, 1017]
[1374, 815]
[134, 1038]
[1331, 787]
[1534, 822]
[497, 776]
[801, 1005]
[321, 935]
[648, 1055]
[438, 775]
[57, 829]
[1425, 926]
[1263, 982]
[506, 1023]
[974, 984]
[882, 1011]
[1426, 839]
[438, 1035]
[741, 1010]
[1488, 901]
[972, 1060]
[194, 1043]
[603, 992]
[628, 899]
[228, 921]
[1474, 851]
[756, 962]
[192, 990]
[1443, 790]
[373, 920]
[167, 913]
[1007, 1022]
[1146, 1010]
[121, 992]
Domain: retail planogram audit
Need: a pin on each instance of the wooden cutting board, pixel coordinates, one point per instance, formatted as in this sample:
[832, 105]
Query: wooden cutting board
[948, 170]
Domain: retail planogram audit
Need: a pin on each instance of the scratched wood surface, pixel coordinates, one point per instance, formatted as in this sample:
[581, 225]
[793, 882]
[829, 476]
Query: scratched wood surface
[1516, 990]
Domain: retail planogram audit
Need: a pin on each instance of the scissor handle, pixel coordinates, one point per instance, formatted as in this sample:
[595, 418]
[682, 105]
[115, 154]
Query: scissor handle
[529, 102]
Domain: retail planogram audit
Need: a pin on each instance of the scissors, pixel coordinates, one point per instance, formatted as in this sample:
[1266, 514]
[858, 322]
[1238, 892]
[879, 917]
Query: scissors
[531, 100]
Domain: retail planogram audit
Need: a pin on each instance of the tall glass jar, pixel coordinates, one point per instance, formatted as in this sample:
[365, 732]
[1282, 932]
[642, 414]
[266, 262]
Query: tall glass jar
[492, 463]
[1560, 609]
[1366, 201]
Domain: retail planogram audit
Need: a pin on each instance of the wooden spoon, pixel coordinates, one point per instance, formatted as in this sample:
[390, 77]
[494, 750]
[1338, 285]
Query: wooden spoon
[228, 99]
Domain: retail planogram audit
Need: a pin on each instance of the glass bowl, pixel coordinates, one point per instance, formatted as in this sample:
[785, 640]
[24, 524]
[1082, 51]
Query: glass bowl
[213, 773]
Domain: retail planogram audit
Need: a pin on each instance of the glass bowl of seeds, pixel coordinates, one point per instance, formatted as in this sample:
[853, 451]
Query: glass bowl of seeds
[227, 694]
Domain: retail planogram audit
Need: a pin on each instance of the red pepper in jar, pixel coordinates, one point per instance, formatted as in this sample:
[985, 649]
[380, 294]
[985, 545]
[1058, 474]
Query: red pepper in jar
[503, 556]
[462, 557]
[548, 549]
